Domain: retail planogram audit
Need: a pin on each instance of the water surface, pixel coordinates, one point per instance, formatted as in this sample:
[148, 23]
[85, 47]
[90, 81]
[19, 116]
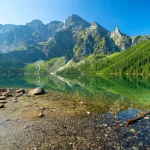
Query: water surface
[113, 93]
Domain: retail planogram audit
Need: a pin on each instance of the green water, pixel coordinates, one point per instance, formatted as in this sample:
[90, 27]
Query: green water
[114, 93]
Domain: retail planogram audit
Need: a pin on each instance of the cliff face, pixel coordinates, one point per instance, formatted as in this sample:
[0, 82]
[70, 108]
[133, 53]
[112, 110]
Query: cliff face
[123, 41]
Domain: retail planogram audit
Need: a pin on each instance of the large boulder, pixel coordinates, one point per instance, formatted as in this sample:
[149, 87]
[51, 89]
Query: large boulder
[37, 91]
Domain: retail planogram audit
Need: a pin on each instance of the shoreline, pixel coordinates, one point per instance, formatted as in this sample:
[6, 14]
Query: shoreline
[66, 124]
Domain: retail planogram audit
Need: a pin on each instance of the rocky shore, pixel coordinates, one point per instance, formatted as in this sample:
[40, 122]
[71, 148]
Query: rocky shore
[35, 119]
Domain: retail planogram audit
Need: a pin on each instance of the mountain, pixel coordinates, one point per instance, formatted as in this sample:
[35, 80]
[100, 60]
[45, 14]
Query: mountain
[135, 60]
[39, 27]
[123, 41]
[76, 23]
[18, 39]
[74, 39]
[53, 27]
[7, 28]
[93, 40]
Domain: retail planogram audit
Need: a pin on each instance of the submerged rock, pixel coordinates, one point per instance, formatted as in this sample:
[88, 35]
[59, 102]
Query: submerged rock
[131, 113]
[37, 91]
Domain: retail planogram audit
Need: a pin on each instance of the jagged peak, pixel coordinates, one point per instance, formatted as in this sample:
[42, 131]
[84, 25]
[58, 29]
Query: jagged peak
[95, 24]
[35, 21]
[117, 30]
[75, 20]
[55, 22]
[74, 16]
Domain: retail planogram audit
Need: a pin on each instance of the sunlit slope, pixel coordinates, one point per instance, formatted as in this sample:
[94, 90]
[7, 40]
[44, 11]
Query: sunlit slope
[135, 60]
[46, 66]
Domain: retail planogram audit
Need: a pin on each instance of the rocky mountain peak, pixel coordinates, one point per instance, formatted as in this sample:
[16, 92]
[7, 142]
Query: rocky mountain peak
[96, 29]
[94, 24]
[53, 27]
[35, 23]
[76, 22]
[7, 28]
[55, 22]
[116, 33]
[38, 26]
[117, 30]
[122, 40]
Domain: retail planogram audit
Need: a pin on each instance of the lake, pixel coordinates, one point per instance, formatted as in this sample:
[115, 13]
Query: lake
[113, 93]
[88, 111]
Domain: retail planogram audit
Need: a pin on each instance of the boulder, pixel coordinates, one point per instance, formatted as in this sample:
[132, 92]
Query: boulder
[37, 91]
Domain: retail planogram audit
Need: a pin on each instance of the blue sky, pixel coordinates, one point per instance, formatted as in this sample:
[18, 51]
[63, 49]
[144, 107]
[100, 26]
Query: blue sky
[131, 16]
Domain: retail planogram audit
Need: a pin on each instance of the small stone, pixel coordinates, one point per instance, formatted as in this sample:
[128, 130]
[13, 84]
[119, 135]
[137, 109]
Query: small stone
[89, 113]
[109, 128]
[140, 144]
[41, 108]
[120, 125]
[25, 127]
[133, 131]
[146, 117]
[41, 115]
[105, 125]
[15, 100]
[18, 95]
[34, 148]
[2, 106]
[81, 102]
[135, 148]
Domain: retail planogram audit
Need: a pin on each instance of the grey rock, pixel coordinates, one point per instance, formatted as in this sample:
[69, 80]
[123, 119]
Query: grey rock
[37, 91]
